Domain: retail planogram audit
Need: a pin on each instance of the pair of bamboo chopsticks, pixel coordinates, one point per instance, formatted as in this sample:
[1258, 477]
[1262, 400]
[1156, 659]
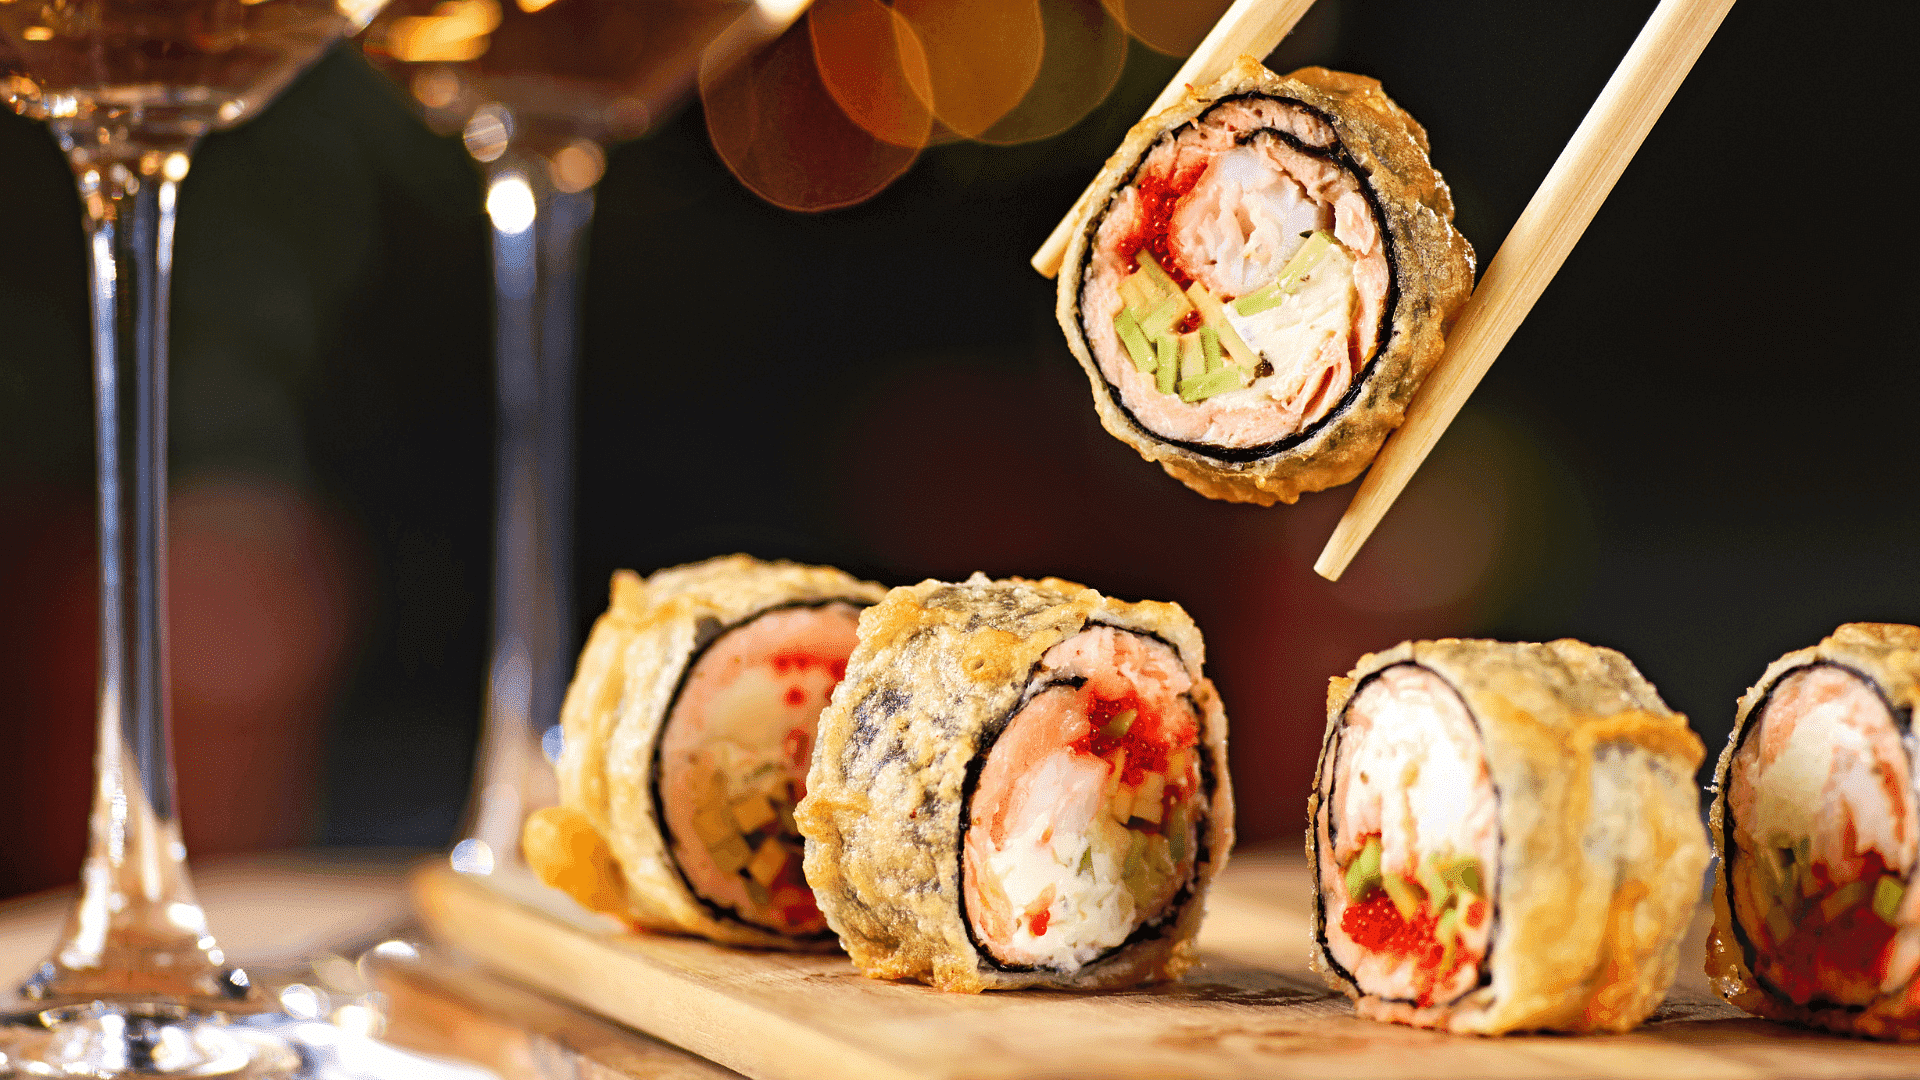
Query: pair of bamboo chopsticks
[1539, 242]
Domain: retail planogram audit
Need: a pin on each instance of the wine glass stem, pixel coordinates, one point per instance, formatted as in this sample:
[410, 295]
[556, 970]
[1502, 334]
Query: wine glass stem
[136, 931]
[538, 243]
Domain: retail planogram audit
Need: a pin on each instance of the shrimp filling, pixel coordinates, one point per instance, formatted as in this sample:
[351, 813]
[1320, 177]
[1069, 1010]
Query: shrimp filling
[1822, 814]
[1408, 837]
[734, 756]
[1237, 287]
[1087, 815]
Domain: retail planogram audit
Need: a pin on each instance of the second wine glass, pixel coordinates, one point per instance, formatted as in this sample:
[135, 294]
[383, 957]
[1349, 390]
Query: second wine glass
[537, 91]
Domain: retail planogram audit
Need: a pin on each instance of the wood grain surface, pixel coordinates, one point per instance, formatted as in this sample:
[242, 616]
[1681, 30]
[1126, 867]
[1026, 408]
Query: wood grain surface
[1250, 1009]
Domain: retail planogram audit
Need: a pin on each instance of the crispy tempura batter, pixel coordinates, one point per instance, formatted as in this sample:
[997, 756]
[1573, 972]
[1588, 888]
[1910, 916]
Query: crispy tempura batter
[1432, 267]
[1886, 655]
[939, 669]
[1601, 849]
[629, 672]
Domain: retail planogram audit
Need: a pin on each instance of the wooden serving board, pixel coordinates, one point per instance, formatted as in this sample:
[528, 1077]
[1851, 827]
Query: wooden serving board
[1251, 1008]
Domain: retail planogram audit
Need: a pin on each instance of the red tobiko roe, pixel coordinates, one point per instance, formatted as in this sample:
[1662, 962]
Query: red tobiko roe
[1158, 197]
[1858, 941]
[801, 661]
[1375, 925]
[1148, 741]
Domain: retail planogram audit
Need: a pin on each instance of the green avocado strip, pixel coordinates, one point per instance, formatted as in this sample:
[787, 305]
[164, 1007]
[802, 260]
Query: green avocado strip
[1363, 873]
[1167, 369]
[1201, 387]
[1210, 348]
[1887, 894]
[1127, 325]
[1297, 268]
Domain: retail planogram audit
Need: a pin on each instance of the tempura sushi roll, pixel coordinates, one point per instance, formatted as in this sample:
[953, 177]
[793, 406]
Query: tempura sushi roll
[1262, 279]
[1815, 917]
[1019, 784]
[688, 730]
[1503, 837]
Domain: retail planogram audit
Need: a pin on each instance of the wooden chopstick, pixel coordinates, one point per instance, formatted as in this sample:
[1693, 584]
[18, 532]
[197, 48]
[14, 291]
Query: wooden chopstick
[1532, 253]
[1249, 28]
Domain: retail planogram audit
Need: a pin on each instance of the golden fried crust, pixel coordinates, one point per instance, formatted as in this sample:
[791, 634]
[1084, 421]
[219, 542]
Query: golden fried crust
[939, 670]
[1433, 272]
[1601, 847]
[612, 718]
[1887, 655]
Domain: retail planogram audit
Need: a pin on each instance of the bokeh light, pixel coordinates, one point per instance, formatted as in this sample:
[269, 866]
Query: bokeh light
[911, 74]
[778, 128]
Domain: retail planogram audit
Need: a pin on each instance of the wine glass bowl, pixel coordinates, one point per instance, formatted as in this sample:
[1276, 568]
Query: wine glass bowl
[561, 73]
[128, 71]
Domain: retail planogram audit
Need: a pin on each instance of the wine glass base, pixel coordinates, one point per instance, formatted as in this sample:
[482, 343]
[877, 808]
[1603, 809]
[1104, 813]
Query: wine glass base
[139, 1039]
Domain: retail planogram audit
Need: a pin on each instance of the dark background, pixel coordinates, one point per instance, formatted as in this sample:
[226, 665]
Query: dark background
[1699, 449]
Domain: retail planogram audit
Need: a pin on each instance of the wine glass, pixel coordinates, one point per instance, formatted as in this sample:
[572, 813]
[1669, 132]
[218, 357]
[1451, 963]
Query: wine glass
[137, 985]
[537, 90]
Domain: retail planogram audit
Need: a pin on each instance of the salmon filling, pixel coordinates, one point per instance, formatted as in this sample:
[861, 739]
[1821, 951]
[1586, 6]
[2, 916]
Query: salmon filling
[1822, 807]
[1237, 287]
[734, 756]
[1087, 814]
[1409, 840]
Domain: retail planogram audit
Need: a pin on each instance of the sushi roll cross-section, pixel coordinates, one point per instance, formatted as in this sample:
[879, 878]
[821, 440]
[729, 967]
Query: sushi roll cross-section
[1264, 280]
[688, 733]
[1817, 823]
[1019, 784]
[1503, 837]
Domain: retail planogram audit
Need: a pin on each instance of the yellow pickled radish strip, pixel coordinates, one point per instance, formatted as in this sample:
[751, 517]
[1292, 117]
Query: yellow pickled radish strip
[1779, 925]
[752, 811]
[1151, 269]
[1137, 292]
[767, 861]
[1214, 314]
[1163, 316]
[1406, 896]
[1147, 802]
[1843, 899]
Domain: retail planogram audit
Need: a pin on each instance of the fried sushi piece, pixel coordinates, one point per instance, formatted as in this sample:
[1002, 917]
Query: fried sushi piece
[1503, 837]
[688, 730]
[1263, 279]
[1814, 819]
[1019, 784]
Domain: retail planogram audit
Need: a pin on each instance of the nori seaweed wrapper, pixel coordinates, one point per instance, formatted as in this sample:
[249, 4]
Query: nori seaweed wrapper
[1887, 656]
[1601, 847]
[629, 675]
[939, 671]
[1431, 277]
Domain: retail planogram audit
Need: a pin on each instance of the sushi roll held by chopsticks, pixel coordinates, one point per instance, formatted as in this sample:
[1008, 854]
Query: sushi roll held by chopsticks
[1019, 784]
[1504, 837]
[688, 730]
[1816, 920]
[1261, 278]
